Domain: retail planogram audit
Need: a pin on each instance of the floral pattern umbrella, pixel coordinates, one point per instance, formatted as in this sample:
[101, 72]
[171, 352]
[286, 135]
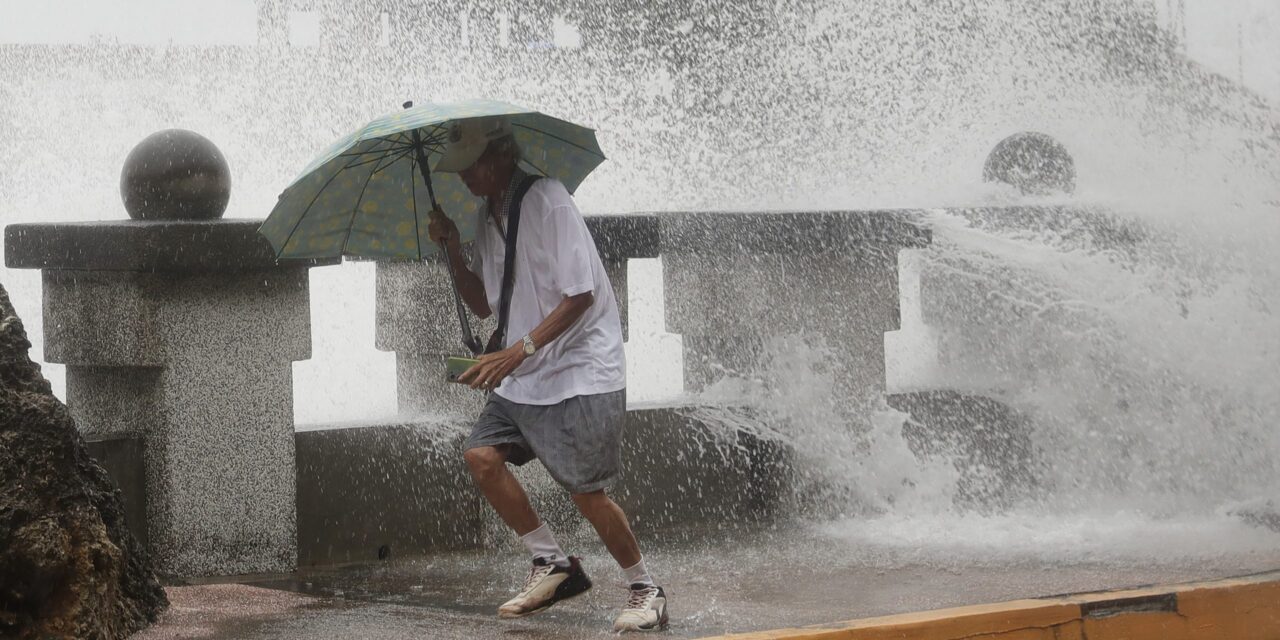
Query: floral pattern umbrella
[370, 193]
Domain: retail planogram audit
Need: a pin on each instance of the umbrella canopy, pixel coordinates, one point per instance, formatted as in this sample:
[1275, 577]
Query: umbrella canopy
[368, 196]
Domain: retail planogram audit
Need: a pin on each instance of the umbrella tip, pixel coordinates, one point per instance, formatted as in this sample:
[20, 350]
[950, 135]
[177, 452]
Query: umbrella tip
[408, 103]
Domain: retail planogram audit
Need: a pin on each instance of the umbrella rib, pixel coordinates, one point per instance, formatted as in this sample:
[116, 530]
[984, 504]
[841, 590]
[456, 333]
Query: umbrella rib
[398, 140]
[357, 154]
[357, 162]
[552, 135]
[436, 137]
[371, 150]
[354, 164]
[403, 138]
[355, 211]
[307, 210]
[394, 160]
[540, 169]
[374, 149]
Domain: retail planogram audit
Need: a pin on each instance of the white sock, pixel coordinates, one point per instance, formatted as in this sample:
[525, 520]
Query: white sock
[638, 574]
[541, 544]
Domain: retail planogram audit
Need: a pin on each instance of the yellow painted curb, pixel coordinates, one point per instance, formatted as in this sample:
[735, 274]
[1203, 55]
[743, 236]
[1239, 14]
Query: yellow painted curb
[1245, 608]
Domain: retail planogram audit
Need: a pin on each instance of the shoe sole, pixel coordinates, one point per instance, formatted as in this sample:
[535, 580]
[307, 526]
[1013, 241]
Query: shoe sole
[661, 626]
[555, 600]
[663, 622]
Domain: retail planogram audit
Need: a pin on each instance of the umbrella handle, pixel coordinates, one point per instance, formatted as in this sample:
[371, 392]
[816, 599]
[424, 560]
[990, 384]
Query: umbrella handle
[420, 153]
[468, 338]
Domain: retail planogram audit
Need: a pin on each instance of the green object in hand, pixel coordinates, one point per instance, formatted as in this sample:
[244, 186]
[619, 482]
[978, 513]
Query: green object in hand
[455, 367]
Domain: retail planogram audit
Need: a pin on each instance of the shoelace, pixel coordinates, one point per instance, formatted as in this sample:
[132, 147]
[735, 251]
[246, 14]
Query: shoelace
[536, 574]
[641, 599]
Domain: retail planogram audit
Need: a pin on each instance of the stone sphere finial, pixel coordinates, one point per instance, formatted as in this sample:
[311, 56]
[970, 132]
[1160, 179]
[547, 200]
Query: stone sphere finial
[175, 174]
[1033, 162]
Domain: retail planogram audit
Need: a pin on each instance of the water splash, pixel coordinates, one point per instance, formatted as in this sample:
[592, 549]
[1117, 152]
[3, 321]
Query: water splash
[852, 454]
[1143, 359]
[1149, 368]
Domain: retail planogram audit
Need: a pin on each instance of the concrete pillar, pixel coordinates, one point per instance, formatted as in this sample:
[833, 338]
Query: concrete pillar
[738, 284]
[184, 333]
[416, 317]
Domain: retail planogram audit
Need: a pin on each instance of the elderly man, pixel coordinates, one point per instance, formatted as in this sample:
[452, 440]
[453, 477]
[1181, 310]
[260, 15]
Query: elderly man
[557, 383]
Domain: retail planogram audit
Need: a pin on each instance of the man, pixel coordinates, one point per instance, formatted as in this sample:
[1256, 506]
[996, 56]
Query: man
[558, 388]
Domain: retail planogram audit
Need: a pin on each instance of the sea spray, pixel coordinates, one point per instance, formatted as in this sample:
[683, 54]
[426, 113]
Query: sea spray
[1147, 372]
[851, 453]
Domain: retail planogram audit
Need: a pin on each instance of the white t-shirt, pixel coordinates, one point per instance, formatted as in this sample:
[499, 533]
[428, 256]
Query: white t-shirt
[555, 258]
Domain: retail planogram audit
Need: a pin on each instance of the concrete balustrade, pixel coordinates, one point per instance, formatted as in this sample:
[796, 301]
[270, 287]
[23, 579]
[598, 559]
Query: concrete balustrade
[735, 281]
[183, 334]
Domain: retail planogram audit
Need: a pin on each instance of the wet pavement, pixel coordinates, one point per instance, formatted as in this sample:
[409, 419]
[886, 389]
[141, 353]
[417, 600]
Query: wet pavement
[732, 583]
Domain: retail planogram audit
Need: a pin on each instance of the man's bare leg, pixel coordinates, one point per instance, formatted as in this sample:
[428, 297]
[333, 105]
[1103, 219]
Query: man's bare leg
[489, 468]
[646, 607]
[611, 524]
[554, 577]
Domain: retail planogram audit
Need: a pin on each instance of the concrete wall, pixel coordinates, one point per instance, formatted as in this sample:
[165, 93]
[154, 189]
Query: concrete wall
[405, 490]
[121, 456]
[401, 487]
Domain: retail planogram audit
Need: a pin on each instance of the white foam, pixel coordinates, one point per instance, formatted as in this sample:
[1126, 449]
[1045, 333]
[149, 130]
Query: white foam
[1116, 538]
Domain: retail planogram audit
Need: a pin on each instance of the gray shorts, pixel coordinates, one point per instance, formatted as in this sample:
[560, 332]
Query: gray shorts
[577, 440]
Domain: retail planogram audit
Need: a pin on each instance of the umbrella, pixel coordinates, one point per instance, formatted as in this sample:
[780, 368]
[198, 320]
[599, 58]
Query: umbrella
[370, 194]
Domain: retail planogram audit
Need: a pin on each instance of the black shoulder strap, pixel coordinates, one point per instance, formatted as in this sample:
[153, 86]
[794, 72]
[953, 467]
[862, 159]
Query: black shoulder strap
[498, 340]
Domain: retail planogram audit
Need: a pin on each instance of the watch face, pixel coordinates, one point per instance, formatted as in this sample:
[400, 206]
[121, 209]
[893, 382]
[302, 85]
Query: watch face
[528, 347]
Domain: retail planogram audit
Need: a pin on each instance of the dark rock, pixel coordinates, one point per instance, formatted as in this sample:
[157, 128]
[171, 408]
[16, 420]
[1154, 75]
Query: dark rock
[1033, 162]
[175, 174]
[69, 568]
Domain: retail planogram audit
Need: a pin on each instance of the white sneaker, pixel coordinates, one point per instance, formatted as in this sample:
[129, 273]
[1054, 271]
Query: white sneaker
[546, 585]
[646, 610]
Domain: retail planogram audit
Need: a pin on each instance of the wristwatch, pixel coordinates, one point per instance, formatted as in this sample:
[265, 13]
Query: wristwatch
[529, 348]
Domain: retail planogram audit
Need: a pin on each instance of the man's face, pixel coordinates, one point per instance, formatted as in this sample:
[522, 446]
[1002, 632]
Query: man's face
[483, 178]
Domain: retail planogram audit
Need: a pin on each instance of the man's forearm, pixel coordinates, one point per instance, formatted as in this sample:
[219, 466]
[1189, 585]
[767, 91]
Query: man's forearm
[470, 285]
[493, 367]
[568, 312]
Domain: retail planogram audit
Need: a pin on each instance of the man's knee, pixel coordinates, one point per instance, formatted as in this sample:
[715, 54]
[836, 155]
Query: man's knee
[484, 461]
[591, 501]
